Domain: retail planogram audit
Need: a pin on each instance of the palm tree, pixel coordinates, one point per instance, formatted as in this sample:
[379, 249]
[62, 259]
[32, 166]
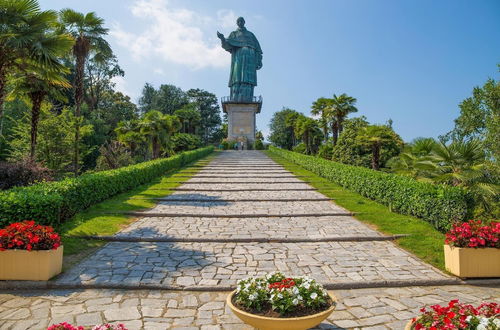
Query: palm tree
[322, 107]
[37, 82]
[307, 128]
[375, 136]
[88, 32]
[415, 160]
[23, 36]
[190, 118]
[159, 128]
[129, 133]
[341, 107]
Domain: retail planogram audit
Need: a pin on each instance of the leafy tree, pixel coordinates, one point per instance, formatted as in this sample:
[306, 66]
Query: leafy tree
[190, 118]
[147, 99]
[348, 150]
[208, 106]
[480, 118]
[55, 139]
[281, 134]
[88, 31]
[415, 160]
[100, 70]
[376, 136]
[129, 133]
[184, 141]
[113, 155]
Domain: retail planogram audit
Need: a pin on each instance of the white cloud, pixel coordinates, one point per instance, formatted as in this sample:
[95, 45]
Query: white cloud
[121, 86]
[227, 18]
[175, 35]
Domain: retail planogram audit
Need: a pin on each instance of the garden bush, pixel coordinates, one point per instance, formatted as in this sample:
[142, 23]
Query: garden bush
[440, 205]
[22, 173]
[51, 203]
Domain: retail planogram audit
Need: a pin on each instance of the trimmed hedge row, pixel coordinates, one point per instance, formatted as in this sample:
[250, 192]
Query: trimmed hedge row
[438, 204]
[52, 203]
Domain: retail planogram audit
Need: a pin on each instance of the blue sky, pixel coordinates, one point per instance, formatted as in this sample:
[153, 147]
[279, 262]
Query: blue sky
[411, 61]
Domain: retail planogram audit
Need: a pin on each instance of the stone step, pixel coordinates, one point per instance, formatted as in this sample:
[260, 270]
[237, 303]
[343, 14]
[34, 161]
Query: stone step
[236, 215]
[216, 265]
[251, 228]
[275, 194]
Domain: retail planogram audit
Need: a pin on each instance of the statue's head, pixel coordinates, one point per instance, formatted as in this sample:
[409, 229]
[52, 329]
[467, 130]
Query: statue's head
[240, 22]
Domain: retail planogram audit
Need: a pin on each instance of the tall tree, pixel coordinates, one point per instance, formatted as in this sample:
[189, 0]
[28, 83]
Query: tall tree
[281, 133]
[36, 83]
[208, 106]
[190, 118]
[23, 36]
[376, 136]
[159, 128]
[88, 31]
[322, 108]
[341, 106]
[308, 130]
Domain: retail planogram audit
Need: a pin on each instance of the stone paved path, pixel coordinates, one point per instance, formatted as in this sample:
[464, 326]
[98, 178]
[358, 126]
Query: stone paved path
[216, 264]
[238, 196]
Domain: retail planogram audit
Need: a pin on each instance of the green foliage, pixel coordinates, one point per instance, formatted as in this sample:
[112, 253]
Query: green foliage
[480, 118]
[208, 106]
[325, 151]
[300, 148]
[167, 99]
[377, 136]
[438, 204]
[55, 202]
[353, 151]
[258, 145]
[308, 131]
[282, 130]
[184, 141]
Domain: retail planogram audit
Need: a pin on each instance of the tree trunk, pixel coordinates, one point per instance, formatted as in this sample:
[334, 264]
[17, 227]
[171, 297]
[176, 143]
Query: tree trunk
[156, 148]
[335, 133]
[376, 156]
[36, 100]
[3, 92]
[80, 66]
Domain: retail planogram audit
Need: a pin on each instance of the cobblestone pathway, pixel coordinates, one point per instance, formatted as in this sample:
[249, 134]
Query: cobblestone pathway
[241, 215]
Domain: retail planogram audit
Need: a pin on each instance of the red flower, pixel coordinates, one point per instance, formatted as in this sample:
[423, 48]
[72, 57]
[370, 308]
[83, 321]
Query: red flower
[27, 235]
[474, 234]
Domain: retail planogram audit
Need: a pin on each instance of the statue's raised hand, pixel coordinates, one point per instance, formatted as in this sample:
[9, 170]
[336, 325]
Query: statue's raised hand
[220, 36]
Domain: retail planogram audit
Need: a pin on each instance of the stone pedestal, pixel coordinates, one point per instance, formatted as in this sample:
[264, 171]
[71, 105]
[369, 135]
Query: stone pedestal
[241, 120]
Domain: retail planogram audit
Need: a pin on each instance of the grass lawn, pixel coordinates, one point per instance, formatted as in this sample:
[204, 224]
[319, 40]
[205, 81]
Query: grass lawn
[93, 222]
[424, 241]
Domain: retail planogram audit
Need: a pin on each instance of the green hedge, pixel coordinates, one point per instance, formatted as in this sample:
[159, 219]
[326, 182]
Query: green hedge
[437, 204]
[54, 202]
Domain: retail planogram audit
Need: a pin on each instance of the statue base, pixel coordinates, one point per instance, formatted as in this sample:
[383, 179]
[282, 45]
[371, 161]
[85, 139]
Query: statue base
[241, 121]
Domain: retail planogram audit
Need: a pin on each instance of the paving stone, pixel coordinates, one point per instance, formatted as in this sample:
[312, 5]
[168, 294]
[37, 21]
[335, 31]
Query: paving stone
[120, 314]
[89, 319]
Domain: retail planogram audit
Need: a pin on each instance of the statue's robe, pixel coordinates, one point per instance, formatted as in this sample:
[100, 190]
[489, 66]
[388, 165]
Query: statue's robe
[246, 57]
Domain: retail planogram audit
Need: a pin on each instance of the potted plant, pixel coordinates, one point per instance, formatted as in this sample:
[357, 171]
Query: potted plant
[458, 316]
[68, 326]
[472, 249]
[279, 302]
[29, 252]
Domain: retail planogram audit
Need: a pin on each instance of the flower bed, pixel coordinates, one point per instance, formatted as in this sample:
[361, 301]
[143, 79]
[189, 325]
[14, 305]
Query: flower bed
[472, 249]
[29, 251]
[278, 296]
[474, 234]
[458, 316]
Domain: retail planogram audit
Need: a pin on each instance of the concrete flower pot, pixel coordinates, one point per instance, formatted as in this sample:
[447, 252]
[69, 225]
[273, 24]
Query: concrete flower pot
[472, 262]
[274, 323]
[409, 325]
[30, 265]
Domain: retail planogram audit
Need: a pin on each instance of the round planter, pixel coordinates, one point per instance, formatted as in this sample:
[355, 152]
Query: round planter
[274, 323]
[408, 325]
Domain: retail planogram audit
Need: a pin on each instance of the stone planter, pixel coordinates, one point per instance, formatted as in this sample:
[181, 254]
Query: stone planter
[408, 325]
[472, 262]
[273, 323]
[30, 265]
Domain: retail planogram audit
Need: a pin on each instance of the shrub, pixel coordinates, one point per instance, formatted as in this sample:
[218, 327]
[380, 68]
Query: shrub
[184, 142]
[22, 173]
[300, 148]
[27, 235]
[54, 202]
[258, 145]
[474, 234]
[440, 205]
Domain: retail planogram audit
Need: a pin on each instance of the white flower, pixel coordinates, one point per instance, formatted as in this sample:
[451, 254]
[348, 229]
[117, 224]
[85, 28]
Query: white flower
[496, 322]
[295, 301]
[280, 296]
[314, 295]
[481, 326]
[306, 285]
[468, 318]
[295, 290]
[299, 297]
[252, 297]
